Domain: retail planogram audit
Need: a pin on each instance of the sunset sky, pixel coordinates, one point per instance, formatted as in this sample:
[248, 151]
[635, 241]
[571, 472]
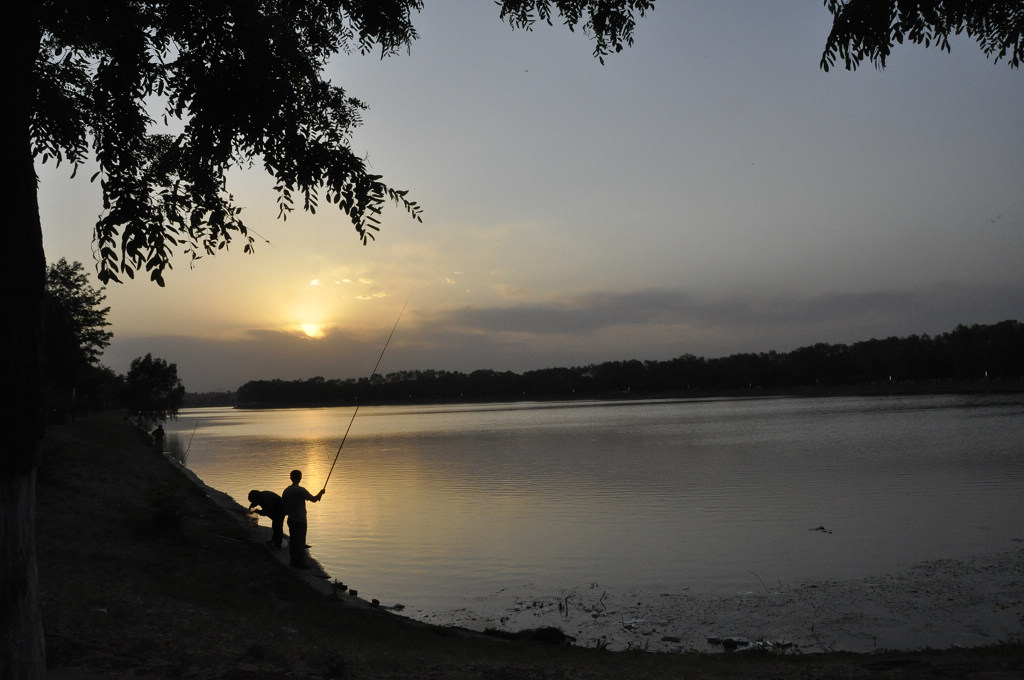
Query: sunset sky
[709, 191]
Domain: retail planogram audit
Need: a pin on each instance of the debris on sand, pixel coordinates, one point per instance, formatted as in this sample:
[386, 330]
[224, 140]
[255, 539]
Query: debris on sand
[548, 634]
[732, 644]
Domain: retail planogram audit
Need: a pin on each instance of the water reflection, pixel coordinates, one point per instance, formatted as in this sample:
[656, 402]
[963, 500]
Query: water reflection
[431, 505]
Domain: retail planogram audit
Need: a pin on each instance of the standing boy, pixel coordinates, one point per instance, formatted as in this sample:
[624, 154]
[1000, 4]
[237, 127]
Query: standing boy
[294, 498]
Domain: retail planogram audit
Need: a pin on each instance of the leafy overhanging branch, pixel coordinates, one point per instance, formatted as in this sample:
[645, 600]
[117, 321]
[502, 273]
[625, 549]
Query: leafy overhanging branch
[868, 29]
[242, 79]
[235, 83]
[609, 24]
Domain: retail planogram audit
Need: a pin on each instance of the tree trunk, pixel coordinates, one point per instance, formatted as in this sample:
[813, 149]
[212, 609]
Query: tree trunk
[22, 279]
[21, 640]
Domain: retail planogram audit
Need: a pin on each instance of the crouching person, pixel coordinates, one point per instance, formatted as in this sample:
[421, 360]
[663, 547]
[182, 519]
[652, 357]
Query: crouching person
[270, 505]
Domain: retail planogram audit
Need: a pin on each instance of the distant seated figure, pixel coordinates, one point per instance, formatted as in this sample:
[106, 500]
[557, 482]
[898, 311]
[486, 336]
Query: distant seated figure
[271, 506]
[158, 438]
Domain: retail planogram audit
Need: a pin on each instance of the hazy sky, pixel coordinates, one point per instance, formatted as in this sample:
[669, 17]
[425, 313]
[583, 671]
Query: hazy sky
[708, 191]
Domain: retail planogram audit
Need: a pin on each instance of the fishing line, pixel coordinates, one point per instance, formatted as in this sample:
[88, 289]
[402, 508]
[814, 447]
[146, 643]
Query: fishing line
[372, 373]
[184, 458]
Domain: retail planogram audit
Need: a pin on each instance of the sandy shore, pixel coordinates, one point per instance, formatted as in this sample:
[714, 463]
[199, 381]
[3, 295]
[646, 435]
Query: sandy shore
[939, 604]
[147, 573]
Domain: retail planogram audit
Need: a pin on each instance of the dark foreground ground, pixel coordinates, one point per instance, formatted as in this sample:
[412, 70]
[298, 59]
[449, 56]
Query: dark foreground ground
[145, 574]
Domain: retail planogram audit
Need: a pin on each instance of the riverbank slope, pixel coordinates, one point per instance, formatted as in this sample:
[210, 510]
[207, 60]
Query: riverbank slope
[144, 573]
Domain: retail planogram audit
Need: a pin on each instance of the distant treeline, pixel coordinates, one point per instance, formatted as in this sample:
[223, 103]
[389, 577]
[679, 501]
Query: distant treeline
[205, 399]
[974, 356]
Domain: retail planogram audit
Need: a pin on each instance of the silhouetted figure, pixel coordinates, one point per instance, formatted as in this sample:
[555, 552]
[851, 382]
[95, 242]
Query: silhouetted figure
[294, 498]
[158, 438]
[271, 506]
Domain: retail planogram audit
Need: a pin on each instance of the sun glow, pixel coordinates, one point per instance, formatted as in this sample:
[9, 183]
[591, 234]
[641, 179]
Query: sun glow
[312, 330]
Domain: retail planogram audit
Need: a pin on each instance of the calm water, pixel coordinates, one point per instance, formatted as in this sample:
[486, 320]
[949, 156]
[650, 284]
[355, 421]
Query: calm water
[441, 507]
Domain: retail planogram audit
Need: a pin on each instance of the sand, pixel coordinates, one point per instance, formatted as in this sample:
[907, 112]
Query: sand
[938, 604]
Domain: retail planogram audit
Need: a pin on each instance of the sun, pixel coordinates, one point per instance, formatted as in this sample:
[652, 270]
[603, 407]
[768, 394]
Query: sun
[312, 330]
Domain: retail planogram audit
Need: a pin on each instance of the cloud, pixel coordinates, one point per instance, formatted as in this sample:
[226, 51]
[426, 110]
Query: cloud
[940, 306]
[371, 296]
[590, 328]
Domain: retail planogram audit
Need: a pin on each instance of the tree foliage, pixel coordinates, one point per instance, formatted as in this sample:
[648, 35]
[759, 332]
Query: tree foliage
[74, 310]
[152, 390]
[239, 82]
[869, 29]
[610, 24]
[74, 337]
[228, 84]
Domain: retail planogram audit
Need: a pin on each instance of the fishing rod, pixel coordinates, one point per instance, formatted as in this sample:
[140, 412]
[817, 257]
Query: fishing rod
[184, 458]
[372, 373]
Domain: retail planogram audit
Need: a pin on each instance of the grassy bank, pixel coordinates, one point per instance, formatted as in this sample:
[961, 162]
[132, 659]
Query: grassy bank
[145, 574]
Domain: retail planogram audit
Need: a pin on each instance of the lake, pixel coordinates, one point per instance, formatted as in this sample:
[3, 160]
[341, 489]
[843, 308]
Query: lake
[453, 507]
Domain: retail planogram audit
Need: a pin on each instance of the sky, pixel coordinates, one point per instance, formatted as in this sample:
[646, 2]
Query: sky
[708, 191]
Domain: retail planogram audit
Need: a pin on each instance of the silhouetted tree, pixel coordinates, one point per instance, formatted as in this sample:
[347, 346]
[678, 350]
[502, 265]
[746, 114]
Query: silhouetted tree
[152, 390]
[102, 389]
[74, 335]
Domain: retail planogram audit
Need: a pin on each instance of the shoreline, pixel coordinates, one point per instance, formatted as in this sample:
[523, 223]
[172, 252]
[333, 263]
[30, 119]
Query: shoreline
[145, 573]
[935, 604]
[316, 577]
[897, 389]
